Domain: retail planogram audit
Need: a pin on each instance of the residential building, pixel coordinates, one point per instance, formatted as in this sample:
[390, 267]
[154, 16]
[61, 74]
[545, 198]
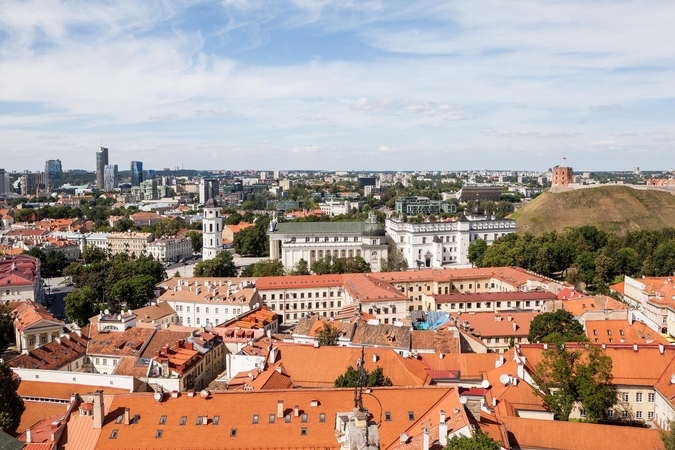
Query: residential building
[208, 188]
[212, 230]
[200, 302]
[66, 352]
[230, 230]
[443, 243]
[161, 313]
[129, 242]
[101, 162]
[312, 241]
[170, 249]
[20, 279]
[53, 174]
[476, 302]
[31, 182]
[35, 326]
[653, 297]
[146, 219]
[149, 189]
[110, 177]
[498, 330]
[136, 173]
[412, 206]
[622, 331]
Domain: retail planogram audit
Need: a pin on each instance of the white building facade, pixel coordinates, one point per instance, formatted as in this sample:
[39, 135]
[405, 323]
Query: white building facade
[212, 229]
[312, 241]
[170, 249]
[440, 244]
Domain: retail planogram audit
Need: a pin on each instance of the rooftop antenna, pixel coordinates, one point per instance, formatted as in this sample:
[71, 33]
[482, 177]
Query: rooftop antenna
[363, 379]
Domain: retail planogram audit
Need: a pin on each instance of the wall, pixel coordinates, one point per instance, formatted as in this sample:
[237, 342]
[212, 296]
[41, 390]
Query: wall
[87, 379]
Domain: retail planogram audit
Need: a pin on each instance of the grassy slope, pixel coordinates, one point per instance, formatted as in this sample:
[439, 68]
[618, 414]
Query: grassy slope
[612, 208]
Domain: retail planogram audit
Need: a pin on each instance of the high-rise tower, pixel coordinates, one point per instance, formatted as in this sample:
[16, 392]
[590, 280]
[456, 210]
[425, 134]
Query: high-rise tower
[53, 172]
[101, 162]
[136, 173]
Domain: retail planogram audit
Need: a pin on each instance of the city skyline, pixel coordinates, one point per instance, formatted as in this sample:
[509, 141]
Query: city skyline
[308, 85]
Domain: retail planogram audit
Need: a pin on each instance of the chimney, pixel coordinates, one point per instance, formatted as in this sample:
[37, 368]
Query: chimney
[442, 414]
[206, 419]
[515, 327]
[29, 437]
[635, 347]
[296, 411]
[374, 357]
[280, 409]
[426, 439]
[443, 433]
[99, 414]
[127, 416]
[661, 348]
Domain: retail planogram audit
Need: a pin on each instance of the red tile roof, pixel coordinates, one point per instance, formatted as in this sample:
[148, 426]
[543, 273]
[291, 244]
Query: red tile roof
[493, 296]
[30, 313]
[620, 331]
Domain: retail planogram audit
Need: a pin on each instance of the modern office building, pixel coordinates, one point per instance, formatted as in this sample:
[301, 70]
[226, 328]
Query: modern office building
[412, 206]
[136, 173]
[53, 174]
[101, 162]
[149, 189]
[4, 182]
[149, 174]
[208, 188]
[110, 178]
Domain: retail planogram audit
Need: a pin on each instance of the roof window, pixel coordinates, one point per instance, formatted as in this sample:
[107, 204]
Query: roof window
[411, 415]
[272, 416]
[255, 418]
[113, 434]
[199, 420]
[183, 420]
[158, 434]
[233, 432]
[303, 431]
[287, 418]
[119, 419]
[162, 420]
[216, 419]
[304, 418]
[387, 415]
[322, 417]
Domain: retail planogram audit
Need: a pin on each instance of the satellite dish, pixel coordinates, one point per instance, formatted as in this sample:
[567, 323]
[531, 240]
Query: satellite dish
[107, 312]
[485, 384]
[462, 400]
[204, 393]
[158, 396]
[504, 379]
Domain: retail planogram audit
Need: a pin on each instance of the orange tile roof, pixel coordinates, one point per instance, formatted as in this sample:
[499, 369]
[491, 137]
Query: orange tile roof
[239, 227]
[36, 411]
[299, 281]
[428, 402]
[618, 287]
[369, 289]
[30, 313]
[643, 367]
[154, 312]
[556, 435]
[54, 355]
[471, 366]
[61, 391]
[275, 377]
[598, 303]
[319, 367]
[131, 366]
[126, 343]
[497, 324]
[620, 331]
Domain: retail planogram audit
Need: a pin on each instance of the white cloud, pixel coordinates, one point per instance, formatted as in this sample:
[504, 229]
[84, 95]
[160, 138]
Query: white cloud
[213, 112]
[387, 149]
[307, 149]
[604, 108]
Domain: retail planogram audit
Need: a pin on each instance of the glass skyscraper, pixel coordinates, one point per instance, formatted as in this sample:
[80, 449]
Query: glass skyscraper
[136, 173]
[101, 162]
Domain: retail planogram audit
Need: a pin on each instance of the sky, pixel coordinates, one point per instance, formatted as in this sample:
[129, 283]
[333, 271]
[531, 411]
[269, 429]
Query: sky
[338, 84]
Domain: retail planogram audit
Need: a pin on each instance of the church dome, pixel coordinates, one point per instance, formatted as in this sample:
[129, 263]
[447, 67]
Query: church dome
[373, 229]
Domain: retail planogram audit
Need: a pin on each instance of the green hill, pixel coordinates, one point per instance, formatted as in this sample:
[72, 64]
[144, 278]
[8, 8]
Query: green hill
[611, 208]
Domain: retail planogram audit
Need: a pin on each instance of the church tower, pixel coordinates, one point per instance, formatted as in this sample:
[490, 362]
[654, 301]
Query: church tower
[212, 230]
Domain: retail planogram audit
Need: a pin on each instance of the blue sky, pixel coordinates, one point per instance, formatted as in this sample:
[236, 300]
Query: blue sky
[338, 85]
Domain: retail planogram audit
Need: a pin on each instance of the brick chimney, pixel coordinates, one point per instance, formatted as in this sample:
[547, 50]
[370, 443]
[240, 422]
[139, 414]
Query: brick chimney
[280, 409]
[296, 411]
[127, 416]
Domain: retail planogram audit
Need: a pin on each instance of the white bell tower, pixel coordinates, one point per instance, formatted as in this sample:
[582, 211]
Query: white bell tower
[212, 230]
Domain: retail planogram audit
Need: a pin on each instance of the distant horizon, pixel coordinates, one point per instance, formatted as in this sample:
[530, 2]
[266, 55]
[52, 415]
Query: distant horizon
[349, 85]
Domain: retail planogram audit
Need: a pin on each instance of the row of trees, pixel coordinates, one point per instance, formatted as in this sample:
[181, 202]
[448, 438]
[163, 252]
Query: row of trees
[585, 256]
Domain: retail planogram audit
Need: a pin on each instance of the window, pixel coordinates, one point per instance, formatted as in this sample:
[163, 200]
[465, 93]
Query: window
[411, 415]
[183, 420]
[387, 415]
[303, 431]
[638, 414]
[650, 415]
[255, 418]
[595, 332]
[304, 418]
[162, 420]
[287, 418]
[582, 413]
[119, 419]
[272, 416]
[621, 332]
[638, 397]
[113, 434]
[199, 420]
[624, 414]
[233, 432]
[216, 419]
[609, 332]
[158, 434]
[624, 397]
[610, 413]
[322, 417]
[650, 397]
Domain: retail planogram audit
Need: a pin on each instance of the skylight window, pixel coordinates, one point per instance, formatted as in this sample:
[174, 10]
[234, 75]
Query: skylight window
[183, 420]
[303, 431]
[216, 419]
[272, 417]
[255, 418]
[387, 415]
[411, 415]
[322, 417]
[162, 420]
[199, 420]
[158, 434]
[119, 419]
[233, 432]
[113, 434]
[304, 418]
[287, 419]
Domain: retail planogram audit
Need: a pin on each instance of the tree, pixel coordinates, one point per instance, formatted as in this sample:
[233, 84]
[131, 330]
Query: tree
[253, 241]
[81, 304]
[55, 263]
[300, 268]
[264, 268]
[6, 327]
[92, 254]
[145, 265]
[560, 325]
[328, 336]
[395, 261]
[220, 266]
[197, 240]
[143, 290]
[479, 441]
[12, 404]
[124, 224]
[476, 252]
[351, 378]
[668, 436]
[581, 374]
